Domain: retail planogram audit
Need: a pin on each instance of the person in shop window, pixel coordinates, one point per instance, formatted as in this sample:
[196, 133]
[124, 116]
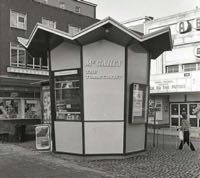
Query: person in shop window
[185, 128]
[3, 113]
[197, 111]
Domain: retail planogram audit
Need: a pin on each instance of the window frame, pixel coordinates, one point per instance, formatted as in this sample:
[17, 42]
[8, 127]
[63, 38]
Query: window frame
[19, 48]
[183, 66]
[74, 29]
[17, 15]
[47, 22]
[172, 71]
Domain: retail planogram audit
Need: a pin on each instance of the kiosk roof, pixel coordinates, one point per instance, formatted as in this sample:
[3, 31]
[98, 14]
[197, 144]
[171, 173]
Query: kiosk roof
[43, 38]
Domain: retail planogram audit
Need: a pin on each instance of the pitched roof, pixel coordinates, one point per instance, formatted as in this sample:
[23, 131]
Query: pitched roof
[43, 38]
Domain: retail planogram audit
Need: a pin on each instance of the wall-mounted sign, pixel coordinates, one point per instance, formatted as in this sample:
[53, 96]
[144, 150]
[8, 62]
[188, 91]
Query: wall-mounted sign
[183, 26]
[197, 51]
[197, 24]
[137, 103]
[43, 141]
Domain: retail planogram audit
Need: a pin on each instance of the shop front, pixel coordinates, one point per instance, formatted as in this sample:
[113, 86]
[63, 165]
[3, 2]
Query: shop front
[99, 82]
[177, 93]
[20, 107]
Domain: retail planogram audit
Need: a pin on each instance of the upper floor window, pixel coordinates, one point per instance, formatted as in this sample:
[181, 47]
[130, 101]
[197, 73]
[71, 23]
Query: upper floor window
[189, 67]
[73, 30]
[17, 55]
[18, 20]
[36, 62]
[49, 23]
[78, 9]
[62, 5]
[172, 69]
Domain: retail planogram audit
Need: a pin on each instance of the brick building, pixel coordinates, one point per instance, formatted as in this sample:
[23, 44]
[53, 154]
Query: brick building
[19, 70]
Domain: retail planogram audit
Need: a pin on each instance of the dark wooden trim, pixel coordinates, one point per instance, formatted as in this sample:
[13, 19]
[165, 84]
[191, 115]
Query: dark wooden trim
[52, 98]
[125, 96]
[148, 94]
[82, 99]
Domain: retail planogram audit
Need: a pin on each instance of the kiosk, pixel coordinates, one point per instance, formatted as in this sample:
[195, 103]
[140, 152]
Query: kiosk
[99, 85]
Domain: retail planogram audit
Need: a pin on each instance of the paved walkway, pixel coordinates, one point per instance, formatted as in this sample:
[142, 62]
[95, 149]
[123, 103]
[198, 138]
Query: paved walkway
[163, 161]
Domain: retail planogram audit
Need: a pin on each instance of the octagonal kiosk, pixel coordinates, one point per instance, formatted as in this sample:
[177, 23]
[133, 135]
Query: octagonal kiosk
[99, 82]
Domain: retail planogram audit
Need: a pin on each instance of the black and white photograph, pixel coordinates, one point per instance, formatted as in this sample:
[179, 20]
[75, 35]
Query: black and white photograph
[100, 89]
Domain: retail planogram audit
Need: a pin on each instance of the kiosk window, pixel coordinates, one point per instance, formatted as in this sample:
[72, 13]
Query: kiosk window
[67, 89]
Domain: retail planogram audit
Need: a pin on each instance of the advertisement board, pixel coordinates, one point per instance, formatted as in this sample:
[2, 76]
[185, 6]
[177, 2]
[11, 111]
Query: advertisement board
[137, 103]
[43, 140]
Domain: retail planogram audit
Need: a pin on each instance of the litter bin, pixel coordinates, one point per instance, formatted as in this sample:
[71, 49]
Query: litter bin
[20, 132]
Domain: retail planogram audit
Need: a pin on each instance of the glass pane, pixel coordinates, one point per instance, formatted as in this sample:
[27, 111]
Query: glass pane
[21, 19]
[22, 56]
[32, 109]
[14, 56]
[192, 107]
[174, 109]
[183, 108]
[174, 121]
[193, 122]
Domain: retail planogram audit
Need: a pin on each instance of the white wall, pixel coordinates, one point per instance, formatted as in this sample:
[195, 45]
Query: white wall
[104, 137]
[103, 86]
[135, 138]
[65, 56]
[68, 136]
[137, 73]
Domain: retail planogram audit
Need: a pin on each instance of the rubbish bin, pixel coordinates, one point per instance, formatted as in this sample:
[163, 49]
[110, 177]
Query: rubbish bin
[20, 132]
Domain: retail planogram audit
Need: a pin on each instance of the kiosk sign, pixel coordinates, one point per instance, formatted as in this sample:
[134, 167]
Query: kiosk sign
[43, 141]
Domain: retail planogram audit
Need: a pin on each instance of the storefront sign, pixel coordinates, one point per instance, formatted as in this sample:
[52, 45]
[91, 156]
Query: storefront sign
[27, 71]
[66, 72]
[197, 51]
[167, 83]
[183, 26]
[94, 69]
[43, 141]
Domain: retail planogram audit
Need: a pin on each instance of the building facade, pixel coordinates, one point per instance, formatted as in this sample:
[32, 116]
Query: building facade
[20, 95]
[175, 82]
[76, 6]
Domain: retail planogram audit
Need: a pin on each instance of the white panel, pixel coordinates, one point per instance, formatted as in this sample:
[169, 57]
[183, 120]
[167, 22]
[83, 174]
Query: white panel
[104, 137]
[103, 64]
[137, 65]
[177, 98]
[135, 138]
[65, 56]
[68, 136]
[180, 55]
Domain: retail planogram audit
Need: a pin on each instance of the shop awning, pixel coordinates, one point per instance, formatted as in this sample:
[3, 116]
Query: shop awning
[43, 38]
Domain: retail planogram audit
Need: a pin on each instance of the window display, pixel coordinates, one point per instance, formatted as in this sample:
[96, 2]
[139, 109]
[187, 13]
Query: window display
[68, 98]
[20, 108]
[137, 103]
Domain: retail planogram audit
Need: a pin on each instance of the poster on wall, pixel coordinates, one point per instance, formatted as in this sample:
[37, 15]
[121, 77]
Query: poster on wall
[137, 103]
[43, 141]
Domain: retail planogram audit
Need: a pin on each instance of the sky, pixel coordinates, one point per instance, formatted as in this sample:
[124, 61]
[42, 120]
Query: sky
[123, 10]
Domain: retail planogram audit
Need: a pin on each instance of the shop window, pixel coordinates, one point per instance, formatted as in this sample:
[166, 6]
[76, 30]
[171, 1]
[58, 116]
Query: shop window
[73, 30]
[17, 55]
[172, 69]
[189, 67]
[78, 9]
[67, 90]
[18, 20]
[32, 109]
[49, 23]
